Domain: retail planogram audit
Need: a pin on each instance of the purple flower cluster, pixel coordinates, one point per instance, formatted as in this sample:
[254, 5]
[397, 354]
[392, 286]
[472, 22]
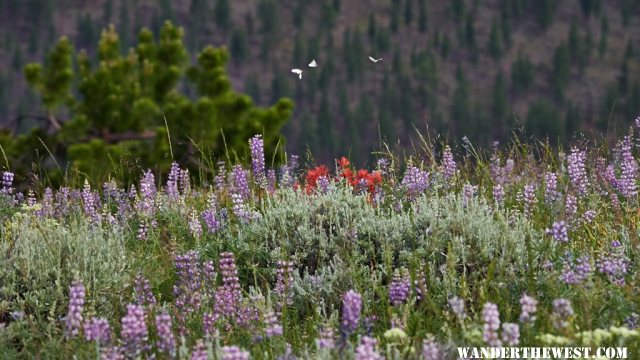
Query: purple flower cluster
[457, 306]
[227, 297]
[578, 171]
[629, 170]
[491, 319]
[89, 203]
[449, 167]
[415, 181]
[551, 193]
[172, 181]
[468, 192]
[559, 232]
[187, 287]
[271, 180]
[76, 306]
[284, 283]
[498, 195]
[240, 209]
[570, 208]
[575, 274]
[614, 265]
[240, 182]
[367, 349]
[166, 340]
[97, 329]
[210, 216]
[199, 351]
[528, 309]
[256, 145]
[146, 201]
[351, 308]
[511, 334]
[134, 331]
[420, 286]
[431, 350]
[271, 325]
[7, 183]
[326, 338]
[111, 353]
[562, 311]
[143, 293]
[400, 288]
[529, 199]
[195, 227]
[234, 353]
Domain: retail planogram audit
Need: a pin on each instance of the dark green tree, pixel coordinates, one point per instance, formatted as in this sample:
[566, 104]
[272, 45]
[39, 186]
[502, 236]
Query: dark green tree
[326, 128]
[371, 27]
[124, 26]
[394, 23]
[495, 47]
[572, 121]
[499, 103]
[222, 14]
[457, 9]
[561, 69]
[544, 121]
[239, 48]
[604, 33]
[422, 16]
[118, 115]
[544, 10]
[574, 42]
[461, 104]
[522, 73]
[87, 31]
[107, 12]
[408, 12]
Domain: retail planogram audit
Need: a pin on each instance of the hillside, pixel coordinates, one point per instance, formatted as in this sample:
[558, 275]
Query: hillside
[475, 68]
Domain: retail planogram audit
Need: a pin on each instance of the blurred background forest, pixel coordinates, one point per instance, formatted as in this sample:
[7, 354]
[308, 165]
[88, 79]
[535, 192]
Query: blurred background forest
[475, 68]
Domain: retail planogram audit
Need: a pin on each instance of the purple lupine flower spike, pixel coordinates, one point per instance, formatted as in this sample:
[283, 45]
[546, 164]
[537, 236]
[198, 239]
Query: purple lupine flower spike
[76, 306]
[351, 307]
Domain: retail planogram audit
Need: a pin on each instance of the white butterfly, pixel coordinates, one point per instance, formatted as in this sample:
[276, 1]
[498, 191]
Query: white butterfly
[374, 60]
[297, 71]
[313, 63]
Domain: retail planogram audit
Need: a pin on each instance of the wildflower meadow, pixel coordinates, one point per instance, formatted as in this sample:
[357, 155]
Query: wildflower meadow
[524, 245]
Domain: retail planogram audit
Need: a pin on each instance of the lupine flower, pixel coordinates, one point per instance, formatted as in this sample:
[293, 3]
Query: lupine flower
[146, 202]
[111, 353]
[272, 326]
[194, 224]
[240, 182]
[491, 319]
[97, 329]
[187, 287]
[383, 165]
[76, 306]
[143, 293]
[166, 340]
[431, 350]
[312, 177]
[468, 192]
[240, 209]
[559, 232]
[577, 170]
[511, 334]
[134, 329]
[284, 282]
[271, 180]
[219, 180]
[529, 199]
[209, 322]
[89, 202]
[562, 311]
[323, 184]
[366, 350]
[629, 170]
[415, 181]
[448, 164]
[184, 183]
[234, 353]
[256, 145]
[351, 307]
[576, 274]
[529, 309]
[7, 183]
[551, 193]
[172, 181]
[632, 321]
[228, 296]
[399, 288]
[199, 351]
[498, 195]
[142, 231]
[326, 338]
[614, 265]
[457, 306]
[588, 216]
[420, 285]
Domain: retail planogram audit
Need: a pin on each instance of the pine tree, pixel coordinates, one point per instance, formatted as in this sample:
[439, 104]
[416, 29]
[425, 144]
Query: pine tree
[499, 106]
[222, 14]
[572, 121]
[574, 42]
[166, 10]
[604, 33]
[522, 73]
[371, 27]
[505, 27]
[623, 78]
[457, 8]
[461, 106]
[408, 12]
[543, 120]
[298, 13]
[561, 69]
[123, 26]
[107, 12]
[239, 48]
[422, 16]
[394, 24]
[494, 41]
[327, 134]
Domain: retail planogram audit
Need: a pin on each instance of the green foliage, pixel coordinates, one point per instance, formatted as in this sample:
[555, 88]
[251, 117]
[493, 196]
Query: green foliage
[422, 16]
[544, 121]
[222, 14]
[495, 46]
[41, 259]
[124, 101]
[561, 69]
[522, 73]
